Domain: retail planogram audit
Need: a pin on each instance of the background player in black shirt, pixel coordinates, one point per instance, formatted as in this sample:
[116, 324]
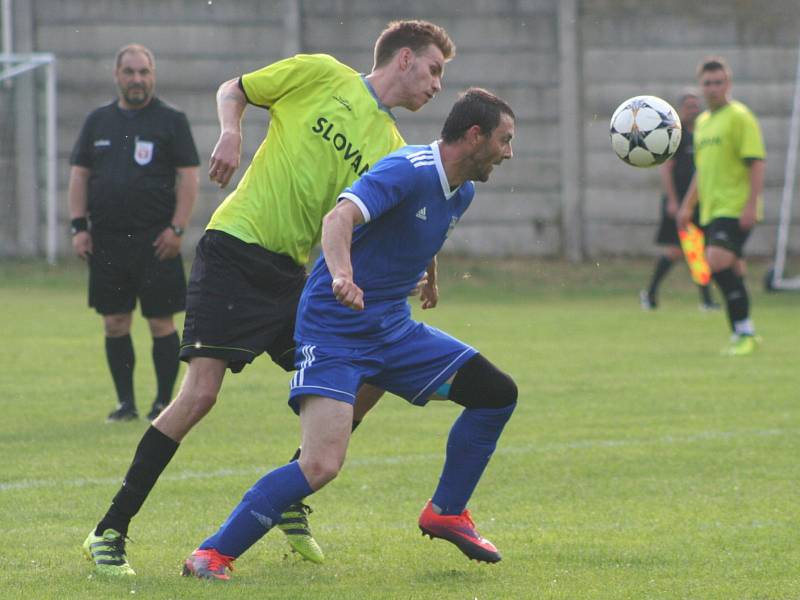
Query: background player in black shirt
[132, 186]
[676, 175]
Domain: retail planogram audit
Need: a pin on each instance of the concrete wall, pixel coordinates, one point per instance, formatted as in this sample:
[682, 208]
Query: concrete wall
[652, 47]
[564, 192]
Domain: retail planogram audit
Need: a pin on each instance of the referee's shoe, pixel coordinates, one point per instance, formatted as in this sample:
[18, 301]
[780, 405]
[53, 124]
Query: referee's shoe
[125, 411]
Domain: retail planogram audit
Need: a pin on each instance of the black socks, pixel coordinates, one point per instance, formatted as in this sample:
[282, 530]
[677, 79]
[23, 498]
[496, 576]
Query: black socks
[121, 359]
[153, 454]
[735, 294]
[663, 266]
[166, 362]
[705, 294]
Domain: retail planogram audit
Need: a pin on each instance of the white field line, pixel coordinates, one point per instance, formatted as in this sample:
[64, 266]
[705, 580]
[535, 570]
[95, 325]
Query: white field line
[367, 461]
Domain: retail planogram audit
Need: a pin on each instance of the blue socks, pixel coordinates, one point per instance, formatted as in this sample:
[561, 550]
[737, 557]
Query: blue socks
[472, 441]
[259, 510]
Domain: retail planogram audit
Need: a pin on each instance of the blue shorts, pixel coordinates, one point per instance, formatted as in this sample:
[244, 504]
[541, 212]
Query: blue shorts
[412, 367]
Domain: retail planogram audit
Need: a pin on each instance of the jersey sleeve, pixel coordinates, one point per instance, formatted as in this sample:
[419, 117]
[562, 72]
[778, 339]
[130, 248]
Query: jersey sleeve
[752, 142]
[81, 155]
[382, 188]
[184, 151]
[269, 84]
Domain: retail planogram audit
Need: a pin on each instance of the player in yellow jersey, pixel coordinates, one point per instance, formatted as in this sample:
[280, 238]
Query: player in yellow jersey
[328, 125]
[729, 179]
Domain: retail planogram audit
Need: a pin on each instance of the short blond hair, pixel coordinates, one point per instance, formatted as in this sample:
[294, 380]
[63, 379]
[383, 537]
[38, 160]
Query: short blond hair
[414, 34]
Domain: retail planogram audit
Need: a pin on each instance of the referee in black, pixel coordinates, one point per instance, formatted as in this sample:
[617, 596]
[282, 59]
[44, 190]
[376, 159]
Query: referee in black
[132, 186]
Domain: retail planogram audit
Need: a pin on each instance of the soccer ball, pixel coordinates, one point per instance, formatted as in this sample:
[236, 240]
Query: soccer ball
[645, 131]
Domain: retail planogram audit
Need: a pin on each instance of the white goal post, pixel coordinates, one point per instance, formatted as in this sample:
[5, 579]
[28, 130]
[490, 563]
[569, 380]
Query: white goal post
[13, 65]
[778, 282]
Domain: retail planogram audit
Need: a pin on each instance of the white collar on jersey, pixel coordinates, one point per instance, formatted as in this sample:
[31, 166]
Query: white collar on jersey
[437, 158]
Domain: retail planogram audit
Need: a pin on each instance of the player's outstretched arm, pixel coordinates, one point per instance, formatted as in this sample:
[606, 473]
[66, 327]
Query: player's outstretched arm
[337, 236]
[231, 103]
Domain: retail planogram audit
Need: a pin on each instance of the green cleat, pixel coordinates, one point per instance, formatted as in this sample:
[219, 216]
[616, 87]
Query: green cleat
[108, 553]
[294, 523]
[742, 345]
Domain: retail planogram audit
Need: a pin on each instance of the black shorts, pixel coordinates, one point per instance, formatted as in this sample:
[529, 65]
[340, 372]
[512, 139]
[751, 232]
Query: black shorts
[667, 234]
[241, 302]
[124, 267]
[725, 232]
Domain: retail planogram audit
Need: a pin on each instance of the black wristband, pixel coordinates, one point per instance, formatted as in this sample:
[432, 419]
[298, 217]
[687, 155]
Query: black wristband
[78, 225]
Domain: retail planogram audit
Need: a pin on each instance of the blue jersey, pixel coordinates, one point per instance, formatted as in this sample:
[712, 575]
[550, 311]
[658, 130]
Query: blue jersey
[409, 210]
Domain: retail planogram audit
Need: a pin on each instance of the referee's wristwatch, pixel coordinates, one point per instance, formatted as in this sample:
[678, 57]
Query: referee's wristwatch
[78, 224]
[177, 229]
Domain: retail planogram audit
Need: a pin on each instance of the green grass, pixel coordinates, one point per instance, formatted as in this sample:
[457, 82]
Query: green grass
[639, 463]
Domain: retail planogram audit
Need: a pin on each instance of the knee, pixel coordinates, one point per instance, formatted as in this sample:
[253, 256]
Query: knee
[320, 470]
[192, 404]
[202, 401]
[719, 258]
[479, 384]
[506, 391]
[161, 327]
[117, 325]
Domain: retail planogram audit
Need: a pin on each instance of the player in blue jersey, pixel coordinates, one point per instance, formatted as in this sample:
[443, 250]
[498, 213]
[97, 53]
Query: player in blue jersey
[354, 326]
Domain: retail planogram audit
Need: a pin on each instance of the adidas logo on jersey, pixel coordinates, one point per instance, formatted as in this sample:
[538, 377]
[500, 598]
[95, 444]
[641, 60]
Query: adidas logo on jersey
[421, 215]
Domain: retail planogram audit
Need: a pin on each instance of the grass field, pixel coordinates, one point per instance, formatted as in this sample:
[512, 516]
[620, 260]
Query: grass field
[639, 463]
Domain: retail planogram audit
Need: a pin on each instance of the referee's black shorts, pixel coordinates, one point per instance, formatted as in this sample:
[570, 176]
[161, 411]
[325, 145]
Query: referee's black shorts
[123, 267]
[241, 301]
[667, 232]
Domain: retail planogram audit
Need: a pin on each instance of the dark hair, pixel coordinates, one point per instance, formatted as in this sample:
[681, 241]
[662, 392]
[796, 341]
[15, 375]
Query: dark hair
[135, 48]
[416, 35]
[478, 107]
[713, 63]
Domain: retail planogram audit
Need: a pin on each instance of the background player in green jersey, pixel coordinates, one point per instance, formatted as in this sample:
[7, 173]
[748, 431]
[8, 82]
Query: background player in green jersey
[328, 125]
[729, 179]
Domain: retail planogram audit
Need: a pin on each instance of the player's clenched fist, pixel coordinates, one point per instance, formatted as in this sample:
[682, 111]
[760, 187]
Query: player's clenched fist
[348, 293]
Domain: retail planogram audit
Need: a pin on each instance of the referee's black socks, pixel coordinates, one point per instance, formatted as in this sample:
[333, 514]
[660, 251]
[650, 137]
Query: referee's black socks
[166, 362]
[121, 359]
[663, 266]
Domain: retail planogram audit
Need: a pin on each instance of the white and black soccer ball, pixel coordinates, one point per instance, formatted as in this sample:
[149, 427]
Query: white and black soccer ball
[645, 131]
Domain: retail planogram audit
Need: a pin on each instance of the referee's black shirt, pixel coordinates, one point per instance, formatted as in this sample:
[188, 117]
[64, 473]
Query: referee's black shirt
[132, 155]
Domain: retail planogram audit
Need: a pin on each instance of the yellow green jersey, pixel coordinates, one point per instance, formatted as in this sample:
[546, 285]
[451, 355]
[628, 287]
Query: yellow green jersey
[723, 140]
[327, 128]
